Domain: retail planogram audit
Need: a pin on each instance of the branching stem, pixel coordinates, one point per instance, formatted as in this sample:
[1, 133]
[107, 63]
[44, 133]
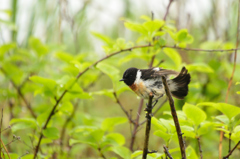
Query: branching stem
[148, 126]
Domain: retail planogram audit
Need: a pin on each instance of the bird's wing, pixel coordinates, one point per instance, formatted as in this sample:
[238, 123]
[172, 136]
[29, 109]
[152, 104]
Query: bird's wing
[157, 73]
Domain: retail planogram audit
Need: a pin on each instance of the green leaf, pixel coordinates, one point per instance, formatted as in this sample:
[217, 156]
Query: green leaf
[199, 67]
[188, 131]
[109, 123]
[165, 136]
[154, 25]
[158, 125]
[22, 123]
[97, 135]
[174, 55]
[64, 56]
[108, 93]
[66, 107]
[51, 132]
[108, 69]
[103, 38]
[124, 152]
[13, 72]
[223, 118]
[136, 153]
[114, 139]
[229, 110]
[48, 83]
[85, 141]
[194, 113]
[135, 27]
[38, 46]
[205, 128]
[190, 152]
[182, 34]
[161, 42]
[111, 71]
[5, 48]
[41, 119]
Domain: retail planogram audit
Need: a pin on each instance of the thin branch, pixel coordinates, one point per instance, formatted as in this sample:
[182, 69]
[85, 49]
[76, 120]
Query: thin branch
[226, 157]
[123, 109]
[148, 126]
[199, 147]
[5, 149]
[65, 125]
[21, 94]
[175, 118]
[167, 152]
[229, 142]
[169, 4]
[231, 79]
[101, 154]
[201, 50]
[136, 125]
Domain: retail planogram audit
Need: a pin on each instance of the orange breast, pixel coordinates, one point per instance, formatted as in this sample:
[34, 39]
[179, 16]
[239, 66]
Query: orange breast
[139, 89]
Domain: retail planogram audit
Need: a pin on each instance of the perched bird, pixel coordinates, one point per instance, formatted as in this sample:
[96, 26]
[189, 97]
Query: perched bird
[146, 81]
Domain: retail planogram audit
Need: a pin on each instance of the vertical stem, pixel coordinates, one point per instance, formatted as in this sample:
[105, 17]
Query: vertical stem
[148, 126]
[199, 146]
[136, 125]
[229, 141]
[167, 152]
[14, 13]
[175, 118]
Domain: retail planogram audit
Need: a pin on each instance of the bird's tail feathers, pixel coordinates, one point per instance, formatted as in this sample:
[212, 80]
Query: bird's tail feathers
[181, 84]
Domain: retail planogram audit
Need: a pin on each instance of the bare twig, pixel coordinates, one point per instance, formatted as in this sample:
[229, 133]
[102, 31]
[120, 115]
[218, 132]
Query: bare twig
[230, 81]
[65, 125]
[5, 149]
[167, 152]
[226, 157]
[201, 50]
[136, 125]
[199, 147]
[148, 126]
[169, 4]
[123, 109]
[229, 142]
[101, 154]
[21, 95]
[175, 118]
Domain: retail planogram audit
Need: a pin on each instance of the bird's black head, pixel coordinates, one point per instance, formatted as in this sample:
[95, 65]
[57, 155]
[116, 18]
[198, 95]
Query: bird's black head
[129, 76]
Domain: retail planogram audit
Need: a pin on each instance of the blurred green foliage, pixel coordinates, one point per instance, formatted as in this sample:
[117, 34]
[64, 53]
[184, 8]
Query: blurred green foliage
[87, 122]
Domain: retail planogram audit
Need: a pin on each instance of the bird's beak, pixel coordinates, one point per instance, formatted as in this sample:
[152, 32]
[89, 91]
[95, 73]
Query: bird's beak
[121, 80]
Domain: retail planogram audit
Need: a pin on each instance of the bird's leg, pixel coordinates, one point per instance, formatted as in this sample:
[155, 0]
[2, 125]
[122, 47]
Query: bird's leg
[156, 101]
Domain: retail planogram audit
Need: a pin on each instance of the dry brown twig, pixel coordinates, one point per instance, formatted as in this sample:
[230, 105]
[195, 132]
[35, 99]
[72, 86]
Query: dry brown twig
[175, 118]
[167, 152]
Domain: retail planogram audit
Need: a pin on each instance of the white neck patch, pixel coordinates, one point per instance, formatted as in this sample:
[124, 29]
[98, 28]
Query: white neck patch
[138, 76]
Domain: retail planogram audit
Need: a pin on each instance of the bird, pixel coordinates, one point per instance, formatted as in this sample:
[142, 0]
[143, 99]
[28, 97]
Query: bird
[145, 82]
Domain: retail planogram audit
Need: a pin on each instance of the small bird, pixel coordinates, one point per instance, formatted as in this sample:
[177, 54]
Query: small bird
[149, 81]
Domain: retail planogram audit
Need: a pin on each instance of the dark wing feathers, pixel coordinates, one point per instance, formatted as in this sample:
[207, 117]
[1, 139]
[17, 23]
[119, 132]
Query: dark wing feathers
[152, 73]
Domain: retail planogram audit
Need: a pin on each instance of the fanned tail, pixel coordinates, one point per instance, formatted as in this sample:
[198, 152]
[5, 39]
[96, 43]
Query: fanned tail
[181, 84]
